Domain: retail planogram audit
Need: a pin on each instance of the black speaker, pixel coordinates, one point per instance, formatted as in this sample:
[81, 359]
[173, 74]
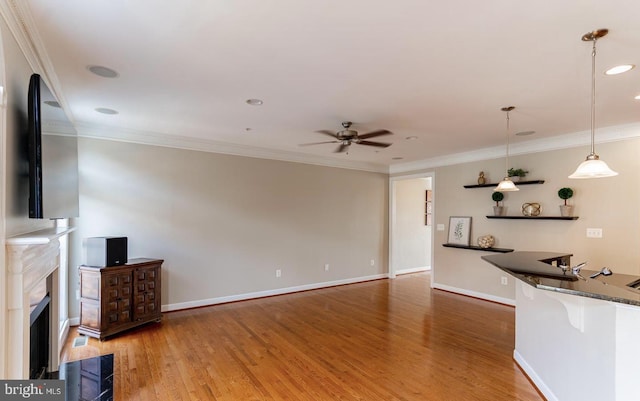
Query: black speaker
[106, 251]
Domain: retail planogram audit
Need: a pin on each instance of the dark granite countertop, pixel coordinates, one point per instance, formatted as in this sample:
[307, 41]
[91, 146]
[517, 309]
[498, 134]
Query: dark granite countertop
[535, 269]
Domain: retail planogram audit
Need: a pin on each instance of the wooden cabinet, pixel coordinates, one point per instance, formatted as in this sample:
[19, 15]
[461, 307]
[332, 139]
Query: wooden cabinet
[117, 298]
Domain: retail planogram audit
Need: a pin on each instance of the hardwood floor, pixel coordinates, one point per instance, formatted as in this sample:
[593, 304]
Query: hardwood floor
[379, 340]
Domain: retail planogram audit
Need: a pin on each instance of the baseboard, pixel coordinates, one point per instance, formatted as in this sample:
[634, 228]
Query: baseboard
[268, 293]
[413, 270]
[533, 376]
[74, 321]
[475, 294]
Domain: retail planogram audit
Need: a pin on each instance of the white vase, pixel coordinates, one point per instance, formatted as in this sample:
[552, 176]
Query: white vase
[499, 210]
[566, 210]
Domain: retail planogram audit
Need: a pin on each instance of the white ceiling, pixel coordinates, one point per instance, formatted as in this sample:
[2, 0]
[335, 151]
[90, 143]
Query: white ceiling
[440, 71]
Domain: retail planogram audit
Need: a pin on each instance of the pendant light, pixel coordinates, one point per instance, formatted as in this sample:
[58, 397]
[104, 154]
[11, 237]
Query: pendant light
[506, 185]
[593, 167]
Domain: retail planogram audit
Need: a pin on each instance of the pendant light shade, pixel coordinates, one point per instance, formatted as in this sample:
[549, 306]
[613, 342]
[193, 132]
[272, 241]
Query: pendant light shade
[593, 167]
[506, 185]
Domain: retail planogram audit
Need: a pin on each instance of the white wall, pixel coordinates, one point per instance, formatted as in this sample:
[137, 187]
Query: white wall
[412, 244]
[225, 223]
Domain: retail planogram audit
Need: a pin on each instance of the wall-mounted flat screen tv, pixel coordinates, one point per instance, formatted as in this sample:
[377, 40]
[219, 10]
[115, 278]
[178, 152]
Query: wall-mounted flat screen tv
[53, 156]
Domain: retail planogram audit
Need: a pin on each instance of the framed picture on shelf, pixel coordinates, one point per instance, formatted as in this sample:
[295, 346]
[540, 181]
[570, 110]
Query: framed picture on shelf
[459, 230]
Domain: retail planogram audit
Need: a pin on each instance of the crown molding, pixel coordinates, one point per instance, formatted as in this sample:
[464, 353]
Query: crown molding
[171, 141]
[18, 17]
[55, 127]
[572, 140]
[19, 20]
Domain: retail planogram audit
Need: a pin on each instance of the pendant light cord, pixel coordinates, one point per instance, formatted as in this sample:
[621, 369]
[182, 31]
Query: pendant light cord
[593, 97]
[506, 162]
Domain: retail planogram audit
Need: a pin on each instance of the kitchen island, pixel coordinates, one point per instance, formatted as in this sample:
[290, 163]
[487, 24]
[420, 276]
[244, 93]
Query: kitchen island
[576, 336]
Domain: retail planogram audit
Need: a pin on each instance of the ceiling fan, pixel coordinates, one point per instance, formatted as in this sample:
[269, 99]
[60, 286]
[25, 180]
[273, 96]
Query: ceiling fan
[348, 136]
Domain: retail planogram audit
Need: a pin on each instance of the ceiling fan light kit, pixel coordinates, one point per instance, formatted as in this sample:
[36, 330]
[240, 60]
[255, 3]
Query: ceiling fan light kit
[593, 167]
[347, 136]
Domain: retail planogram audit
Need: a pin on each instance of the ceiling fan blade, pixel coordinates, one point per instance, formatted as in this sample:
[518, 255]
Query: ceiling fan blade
[342, 148]
[373, 134]
[317, 143]
[378, 144]
[327, 132]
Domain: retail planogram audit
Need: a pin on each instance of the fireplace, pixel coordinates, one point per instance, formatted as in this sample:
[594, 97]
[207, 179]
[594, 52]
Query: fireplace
[39, 339]
[32, 283]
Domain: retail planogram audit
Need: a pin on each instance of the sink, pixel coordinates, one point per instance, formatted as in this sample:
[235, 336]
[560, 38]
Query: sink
[634, 284]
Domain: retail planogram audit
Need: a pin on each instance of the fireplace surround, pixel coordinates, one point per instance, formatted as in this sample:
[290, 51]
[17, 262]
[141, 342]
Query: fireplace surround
[33, 260]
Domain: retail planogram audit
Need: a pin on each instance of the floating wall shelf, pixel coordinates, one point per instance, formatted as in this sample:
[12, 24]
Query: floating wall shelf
[477, 248]
[496, 184]
[534, 217]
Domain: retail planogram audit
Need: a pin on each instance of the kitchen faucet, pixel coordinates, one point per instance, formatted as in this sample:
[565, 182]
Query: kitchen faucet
[575, 270]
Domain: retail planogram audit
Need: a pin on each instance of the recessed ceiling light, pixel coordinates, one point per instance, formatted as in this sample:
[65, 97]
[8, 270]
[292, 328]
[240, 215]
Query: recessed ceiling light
[397, 158]
[411, 138]
[102, 71]
[104, 110]
[619, 69]
[637, 97]
[525, 133]
[52, 103]
[255, 102]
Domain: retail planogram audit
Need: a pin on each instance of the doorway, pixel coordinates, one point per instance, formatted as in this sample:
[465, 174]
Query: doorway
[411, 208]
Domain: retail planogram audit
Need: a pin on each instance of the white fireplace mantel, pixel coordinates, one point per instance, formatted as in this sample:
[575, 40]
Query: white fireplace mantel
[31, 259]
[40, 237]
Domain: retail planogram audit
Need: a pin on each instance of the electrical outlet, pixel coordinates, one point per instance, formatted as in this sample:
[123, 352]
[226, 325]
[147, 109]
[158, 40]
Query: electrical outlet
[373, 262]
[326, 267]
[278, 272]
[440, 227]
[504, 280]
[594, 232]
